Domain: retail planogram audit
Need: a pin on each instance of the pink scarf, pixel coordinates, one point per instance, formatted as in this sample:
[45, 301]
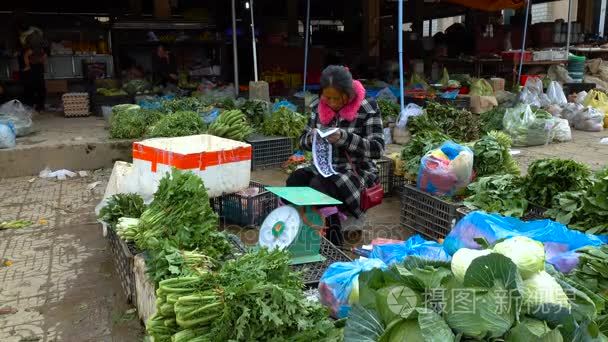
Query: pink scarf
[348, 112]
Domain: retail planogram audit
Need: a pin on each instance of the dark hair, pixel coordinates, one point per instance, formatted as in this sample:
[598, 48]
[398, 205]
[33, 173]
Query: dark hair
[338, 77]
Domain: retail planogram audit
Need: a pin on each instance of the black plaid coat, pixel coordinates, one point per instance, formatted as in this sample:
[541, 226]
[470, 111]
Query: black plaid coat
[363, 139]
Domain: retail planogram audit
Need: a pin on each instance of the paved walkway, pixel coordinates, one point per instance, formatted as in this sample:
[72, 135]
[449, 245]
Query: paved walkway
[60, 285]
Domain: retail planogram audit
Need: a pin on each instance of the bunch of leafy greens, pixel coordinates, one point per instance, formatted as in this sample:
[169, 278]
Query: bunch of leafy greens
[388, 108]
[178, 124]
[585, 210]
[256, 111]
[253, 298]
[285, 123]
[130, 121]
[420, 144]
[460, 124]
[591, 274]
[169, 262]
[134, 87]
[181, 104]
[121, 205]
[549, 177]
[502, 194]
[181, 213]
[492, 155]
[492, 120]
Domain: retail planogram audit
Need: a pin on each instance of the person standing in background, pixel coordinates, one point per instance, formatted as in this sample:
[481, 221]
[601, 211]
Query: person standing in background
[32, 60]
[165, 67]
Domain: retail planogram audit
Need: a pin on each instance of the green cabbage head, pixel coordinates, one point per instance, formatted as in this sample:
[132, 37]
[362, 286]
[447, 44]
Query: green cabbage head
[527, 254]
[543, 289]
[461, 260]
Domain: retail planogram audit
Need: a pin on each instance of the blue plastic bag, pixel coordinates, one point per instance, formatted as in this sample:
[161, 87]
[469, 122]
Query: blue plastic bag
[8, 134]
[446, 170]
[339, 281]
[450, 95]
[210, 116]
[559, 241]
[414, 246]
[286, 104]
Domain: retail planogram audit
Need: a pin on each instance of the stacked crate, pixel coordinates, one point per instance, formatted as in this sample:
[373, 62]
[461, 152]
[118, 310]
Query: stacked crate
[75, 104]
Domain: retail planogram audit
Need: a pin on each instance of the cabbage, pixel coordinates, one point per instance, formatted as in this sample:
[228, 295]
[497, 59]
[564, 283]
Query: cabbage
[405, 330]
[541, 290]
[353, 297]
[463, 258]
[527, 254]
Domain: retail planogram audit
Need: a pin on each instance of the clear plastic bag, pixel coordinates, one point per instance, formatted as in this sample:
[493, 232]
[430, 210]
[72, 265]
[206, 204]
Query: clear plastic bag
[446, 170]
[556, 95]
[556, 237]
[19, 114]
[561, 130]
[7, 134]
[570, 111]
[526, 96]
[340, 280]
[527, 128]
[590, 120]
[410, 110]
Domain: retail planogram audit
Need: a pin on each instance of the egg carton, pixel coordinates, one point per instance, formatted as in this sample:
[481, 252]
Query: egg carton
[76, 104]
[75, 95]
[76, 113]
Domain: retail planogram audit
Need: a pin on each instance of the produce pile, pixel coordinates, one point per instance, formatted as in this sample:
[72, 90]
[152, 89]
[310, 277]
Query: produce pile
[231, 124]
[500, 293]
[253, 298]
[460, 124]
[177, 124]
[285, 123]
[129, 121]
[388, 109]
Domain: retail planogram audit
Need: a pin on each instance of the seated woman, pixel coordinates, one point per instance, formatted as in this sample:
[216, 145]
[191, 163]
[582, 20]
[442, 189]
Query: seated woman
[357, 142]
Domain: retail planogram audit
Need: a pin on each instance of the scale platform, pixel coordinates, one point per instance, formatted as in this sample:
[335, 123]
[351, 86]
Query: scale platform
[296, 227]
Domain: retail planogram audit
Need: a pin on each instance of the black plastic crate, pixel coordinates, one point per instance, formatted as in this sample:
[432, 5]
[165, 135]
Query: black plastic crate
[427, 215]
[386, 170]
[123, 263]
[246, 211]
[312, 272]
[535, 212]
[269, 151]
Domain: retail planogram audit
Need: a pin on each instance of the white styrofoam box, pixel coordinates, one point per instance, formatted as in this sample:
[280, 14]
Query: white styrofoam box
[223, 164]
[117, 183]
[545, 55]
[560, 55]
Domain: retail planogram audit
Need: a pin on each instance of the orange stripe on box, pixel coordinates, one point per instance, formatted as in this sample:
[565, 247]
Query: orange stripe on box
[199, 161]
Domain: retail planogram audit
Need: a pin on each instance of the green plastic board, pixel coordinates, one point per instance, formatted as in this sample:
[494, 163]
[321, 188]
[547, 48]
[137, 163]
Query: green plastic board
[302, 196]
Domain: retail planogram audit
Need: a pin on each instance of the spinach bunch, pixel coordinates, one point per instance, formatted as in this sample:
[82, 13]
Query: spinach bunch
[492, 155]
[178, 124]
[549, 177]
[284, 122]
[388, 109]
[256, 111]
[492, 120]
[460, 124]
[502, 194]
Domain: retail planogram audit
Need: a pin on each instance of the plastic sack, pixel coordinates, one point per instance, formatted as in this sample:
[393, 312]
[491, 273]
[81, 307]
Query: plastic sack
[556, 237]
[388, 136]
[570, 111]
[534, 84]
[338, 282]
[410, 110]
[446, 170]
[561, 130]
[556, 95]
[597, 100]
[580, 97]
[285, 104]
[386, 94]
[7, 134]
[481, 87]
[559, 73]
[527, 128]
[415, 246]
[450, 95]
[528, 97]
[210, 116]
[590, 119]
[19, 115]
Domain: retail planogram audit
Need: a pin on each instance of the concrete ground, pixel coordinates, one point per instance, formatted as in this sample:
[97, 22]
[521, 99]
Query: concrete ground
[57, 280]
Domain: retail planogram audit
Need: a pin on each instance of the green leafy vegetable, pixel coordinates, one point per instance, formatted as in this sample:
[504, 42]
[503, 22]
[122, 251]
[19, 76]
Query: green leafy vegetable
[184, 104]
[134, 87]
[178, 124]
[130, 121]
[502, 194]
[462, 259]
[549, 177]
[388, 108]
[256, 111]
[492, 155]
[460, 124]
[542, 289]
[527, 254]
[481, 87]
[121, 205]
[492, 120]
[284, 123]
[530, 329]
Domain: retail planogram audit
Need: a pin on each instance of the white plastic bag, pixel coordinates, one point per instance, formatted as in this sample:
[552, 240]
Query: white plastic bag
[388, 136]
[580, 97]
[561, 130]
[19, 115]
[556, 95]
[527, 96]
[386, 94]
[590, 120]
[7, 134]
[410, 110]
[528, 128]
[570, 111]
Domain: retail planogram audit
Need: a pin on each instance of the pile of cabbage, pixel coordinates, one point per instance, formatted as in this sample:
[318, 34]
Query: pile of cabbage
[504, 292]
